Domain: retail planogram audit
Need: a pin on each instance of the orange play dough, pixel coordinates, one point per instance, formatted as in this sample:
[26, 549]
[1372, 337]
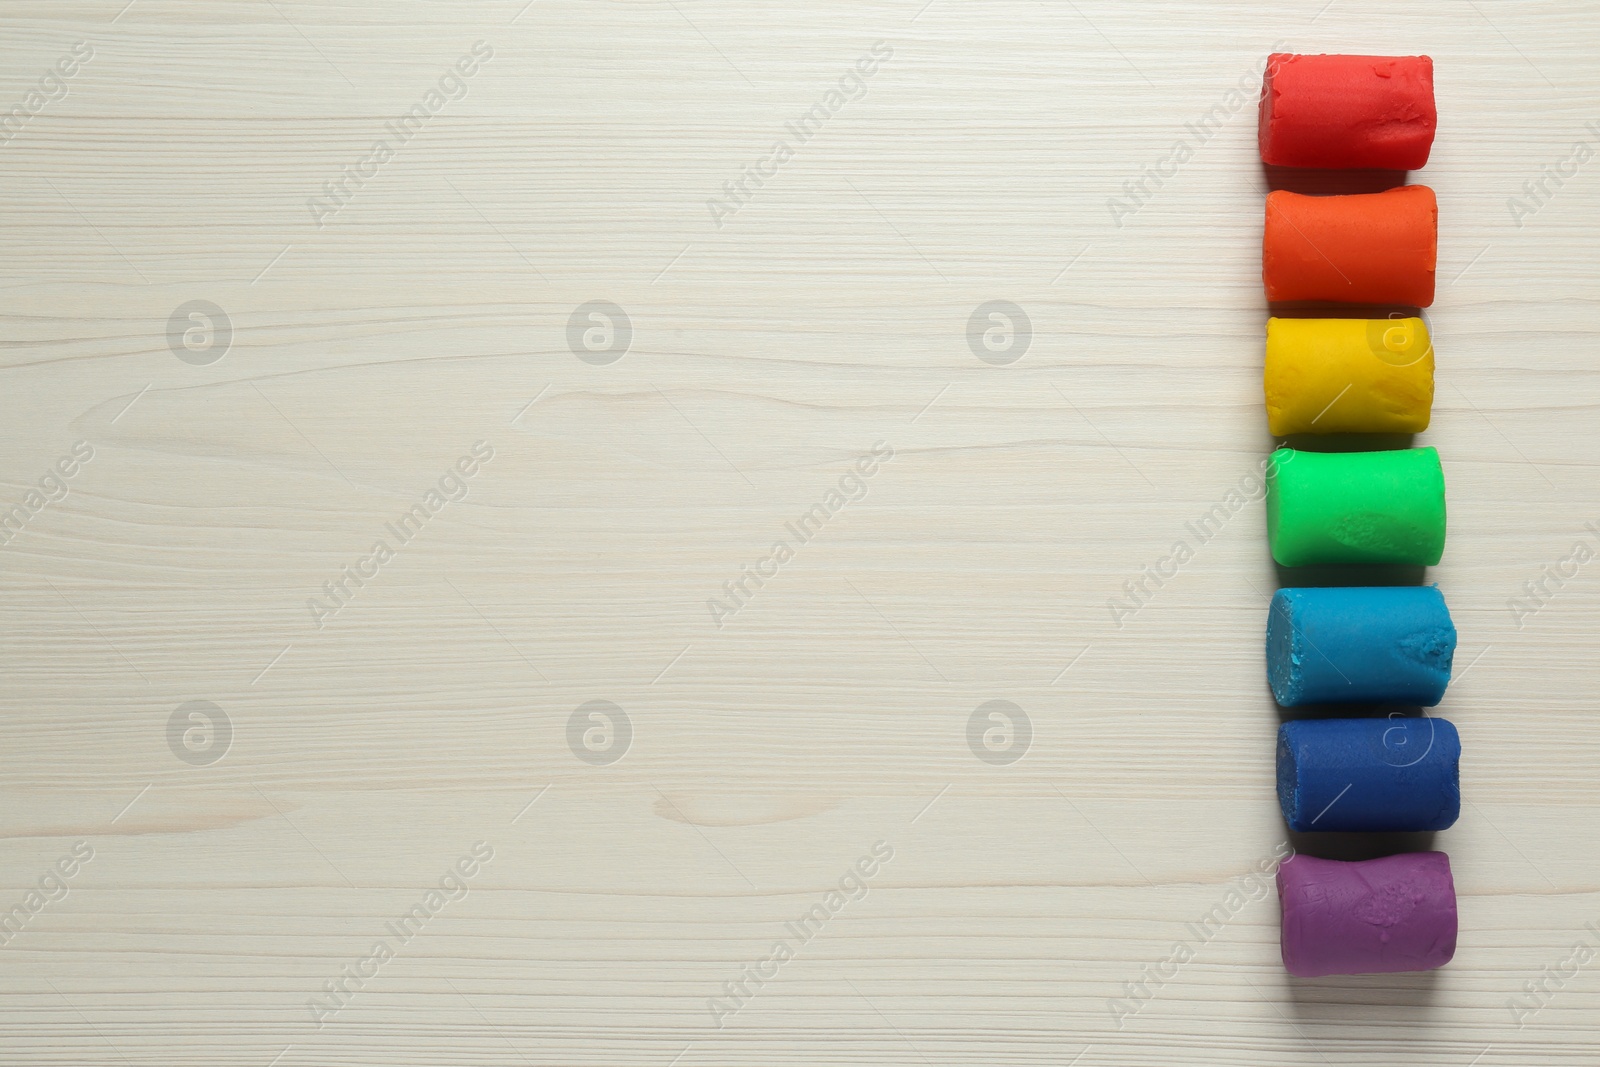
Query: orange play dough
[1367, 248]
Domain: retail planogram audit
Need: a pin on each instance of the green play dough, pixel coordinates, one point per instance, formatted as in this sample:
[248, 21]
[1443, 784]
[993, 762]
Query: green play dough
[1355, 507]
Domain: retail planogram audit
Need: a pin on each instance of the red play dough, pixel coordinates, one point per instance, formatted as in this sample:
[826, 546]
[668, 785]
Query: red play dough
[1340, 112]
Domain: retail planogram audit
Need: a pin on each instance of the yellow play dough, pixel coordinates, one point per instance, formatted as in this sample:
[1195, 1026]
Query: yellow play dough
[1348, 376]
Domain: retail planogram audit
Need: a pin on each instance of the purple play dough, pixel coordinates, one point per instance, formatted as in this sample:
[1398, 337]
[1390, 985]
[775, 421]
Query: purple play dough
[1397, 913]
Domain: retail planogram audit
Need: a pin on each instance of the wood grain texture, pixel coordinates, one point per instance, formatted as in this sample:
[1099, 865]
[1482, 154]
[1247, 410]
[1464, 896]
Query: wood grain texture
[767, 755]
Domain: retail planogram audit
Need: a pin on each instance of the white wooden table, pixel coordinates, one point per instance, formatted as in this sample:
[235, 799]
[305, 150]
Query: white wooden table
[265, 785]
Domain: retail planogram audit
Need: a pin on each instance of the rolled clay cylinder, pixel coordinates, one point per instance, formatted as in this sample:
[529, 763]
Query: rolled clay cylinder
[1397, 913]
[1369, 775]
[1356, 507]
[1347, 111]
[1348, 376]
[1369, 645]
[1365, 248]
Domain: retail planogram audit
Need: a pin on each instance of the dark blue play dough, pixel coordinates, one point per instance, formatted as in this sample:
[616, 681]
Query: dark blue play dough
[1373, 645]
[1364, 775]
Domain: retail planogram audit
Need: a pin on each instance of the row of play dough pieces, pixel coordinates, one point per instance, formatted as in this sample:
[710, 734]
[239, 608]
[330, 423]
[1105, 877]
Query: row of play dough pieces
[1380, 645]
